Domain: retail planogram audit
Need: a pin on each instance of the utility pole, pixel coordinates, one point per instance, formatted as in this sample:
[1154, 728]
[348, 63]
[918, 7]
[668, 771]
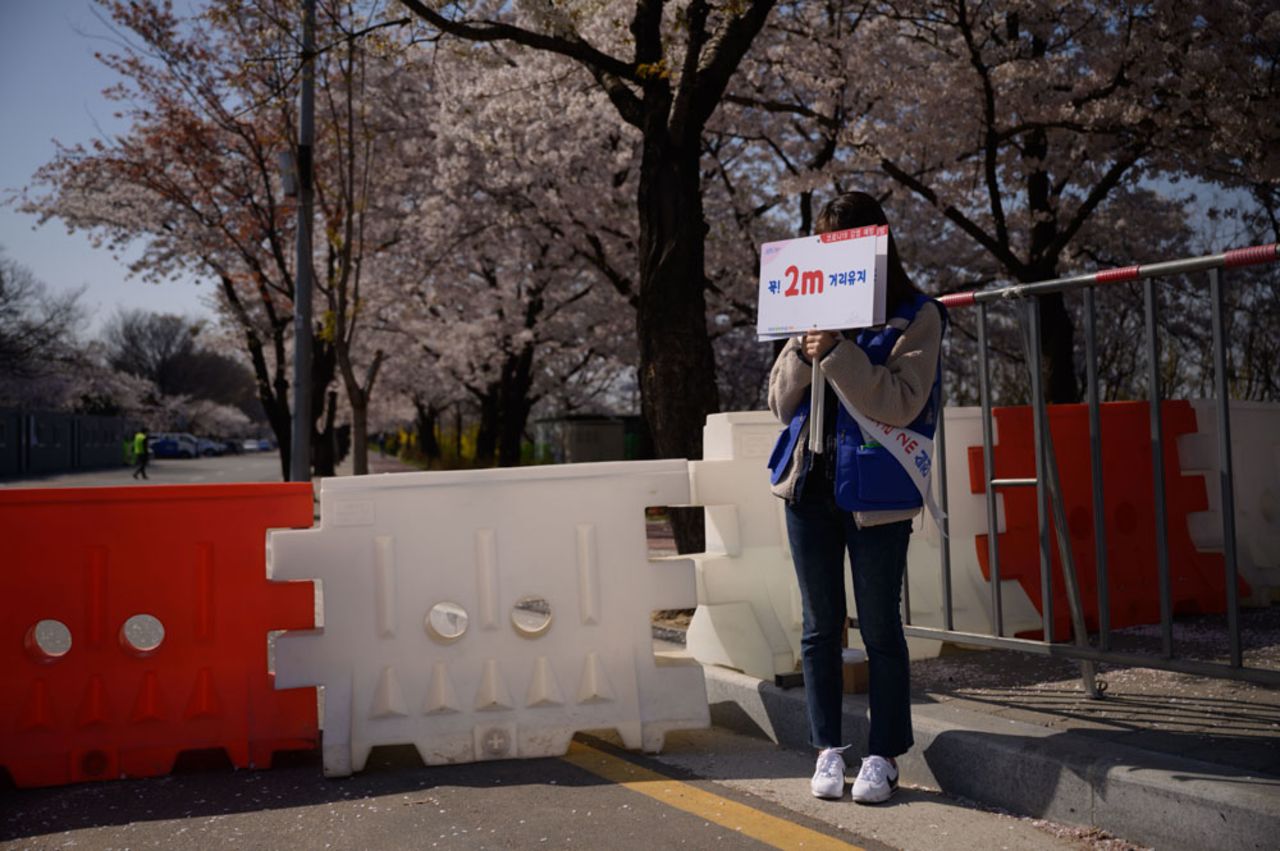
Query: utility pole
[300, 460]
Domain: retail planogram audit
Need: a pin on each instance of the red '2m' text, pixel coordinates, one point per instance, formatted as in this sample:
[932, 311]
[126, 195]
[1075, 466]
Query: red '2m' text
[803, 283]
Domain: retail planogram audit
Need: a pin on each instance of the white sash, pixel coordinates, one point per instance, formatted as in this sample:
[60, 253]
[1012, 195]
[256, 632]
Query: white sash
[909, 448]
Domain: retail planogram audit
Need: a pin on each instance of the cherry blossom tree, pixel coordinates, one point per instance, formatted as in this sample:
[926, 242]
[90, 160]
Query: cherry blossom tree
[665, 72]
[194, 179]
[516, 290]
[1019, 139]
[210, 98]
[359, 199]
[205, 416]
[506, 322]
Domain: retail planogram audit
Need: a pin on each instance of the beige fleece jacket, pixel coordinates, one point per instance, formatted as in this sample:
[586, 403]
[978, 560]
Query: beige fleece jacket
[895, 393]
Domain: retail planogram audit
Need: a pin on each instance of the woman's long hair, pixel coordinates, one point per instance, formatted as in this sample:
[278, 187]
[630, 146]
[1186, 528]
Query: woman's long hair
[858, 209]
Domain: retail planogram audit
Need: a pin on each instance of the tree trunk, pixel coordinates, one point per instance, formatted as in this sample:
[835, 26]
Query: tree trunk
[1057, 345]
[323, 366]
[425, 419]
[359, 399]
[281, 424]
[280, 413]
[510, 437]
[515, 404]
[677, 366]
[273, 391]
[359, 437]
[1057, 335]
[457, 432]
[1057, 341]
[487, 435]
[324, 445]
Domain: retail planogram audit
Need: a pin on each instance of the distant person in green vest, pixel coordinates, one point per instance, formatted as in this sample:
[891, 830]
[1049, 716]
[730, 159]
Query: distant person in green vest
[140, 453]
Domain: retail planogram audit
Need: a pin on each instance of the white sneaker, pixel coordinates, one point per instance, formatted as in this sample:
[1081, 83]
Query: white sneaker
[828, 777]
[877, 780]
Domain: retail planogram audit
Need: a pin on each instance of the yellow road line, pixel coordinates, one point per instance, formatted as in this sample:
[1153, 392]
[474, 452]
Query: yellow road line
[748, 821]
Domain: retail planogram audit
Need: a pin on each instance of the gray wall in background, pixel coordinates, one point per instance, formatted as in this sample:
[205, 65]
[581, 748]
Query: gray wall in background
[39, 442]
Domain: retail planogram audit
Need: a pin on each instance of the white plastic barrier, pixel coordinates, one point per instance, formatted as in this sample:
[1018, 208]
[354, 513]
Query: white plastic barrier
[489, 614]
[748, 614]
[1255, 467]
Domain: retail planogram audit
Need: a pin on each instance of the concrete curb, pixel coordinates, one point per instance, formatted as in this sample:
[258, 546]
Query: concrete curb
[1063, 775]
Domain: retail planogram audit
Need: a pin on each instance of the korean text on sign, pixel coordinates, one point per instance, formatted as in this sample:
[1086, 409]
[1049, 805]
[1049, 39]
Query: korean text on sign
[826, 282]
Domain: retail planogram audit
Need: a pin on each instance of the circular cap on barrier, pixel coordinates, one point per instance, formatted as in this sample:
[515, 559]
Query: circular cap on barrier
[531, 616]
[446, 622]
[142, 634]
[48, 640]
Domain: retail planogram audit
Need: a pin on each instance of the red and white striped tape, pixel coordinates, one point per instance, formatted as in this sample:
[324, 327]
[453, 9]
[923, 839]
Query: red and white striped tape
[1235, 258]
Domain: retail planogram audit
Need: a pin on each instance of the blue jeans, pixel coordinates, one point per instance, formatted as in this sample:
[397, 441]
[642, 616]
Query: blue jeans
[819, 532]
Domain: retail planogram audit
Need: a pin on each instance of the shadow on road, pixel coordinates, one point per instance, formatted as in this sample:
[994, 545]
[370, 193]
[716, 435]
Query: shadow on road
[203, 784]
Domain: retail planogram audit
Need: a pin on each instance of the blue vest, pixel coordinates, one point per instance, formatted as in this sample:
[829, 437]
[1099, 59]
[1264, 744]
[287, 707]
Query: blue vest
[867, 477]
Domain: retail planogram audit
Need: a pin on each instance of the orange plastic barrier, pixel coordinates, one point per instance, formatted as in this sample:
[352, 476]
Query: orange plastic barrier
[84, 564]
[1197, 579]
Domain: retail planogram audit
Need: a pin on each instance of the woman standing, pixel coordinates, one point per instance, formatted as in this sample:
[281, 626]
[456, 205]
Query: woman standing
[855, 496]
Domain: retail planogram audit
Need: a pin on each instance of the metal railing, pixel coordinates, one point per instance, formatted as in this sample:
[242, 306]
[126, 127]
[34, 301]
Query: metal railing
[1049, 492]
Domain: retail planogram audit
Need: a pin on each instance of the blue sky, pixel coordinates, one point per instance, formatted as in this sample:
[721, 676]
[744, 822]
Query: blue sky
[50, 88]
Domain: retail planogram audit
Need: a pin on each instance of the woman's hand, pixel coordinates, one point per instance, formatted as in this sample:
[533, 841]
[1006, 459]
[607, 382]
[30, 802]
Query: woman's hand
[816, 344]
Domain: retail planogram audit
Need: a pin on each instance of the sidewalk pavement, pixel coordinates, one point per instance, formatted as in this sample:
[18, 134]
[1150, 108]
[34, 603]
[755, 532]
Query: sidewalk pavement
[378, 463]
[1165, 759]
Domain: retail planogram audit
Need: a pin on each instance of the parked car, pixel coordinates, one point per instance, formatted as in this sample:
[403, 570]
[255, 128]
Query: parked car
[173, 445]
[264, 445]
[162, 446]
[189, 444]
[232, 447]
[208, 447]
[250, 444]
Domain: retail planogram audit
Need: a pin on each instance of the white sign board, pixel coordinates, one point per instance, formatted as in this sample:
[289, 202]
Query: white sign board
[823, 283]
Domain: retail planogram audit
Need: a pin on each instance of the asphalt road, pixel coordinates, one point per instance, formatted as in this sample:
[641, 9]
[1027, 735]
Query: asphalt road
[249, 467]
[709, 789]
